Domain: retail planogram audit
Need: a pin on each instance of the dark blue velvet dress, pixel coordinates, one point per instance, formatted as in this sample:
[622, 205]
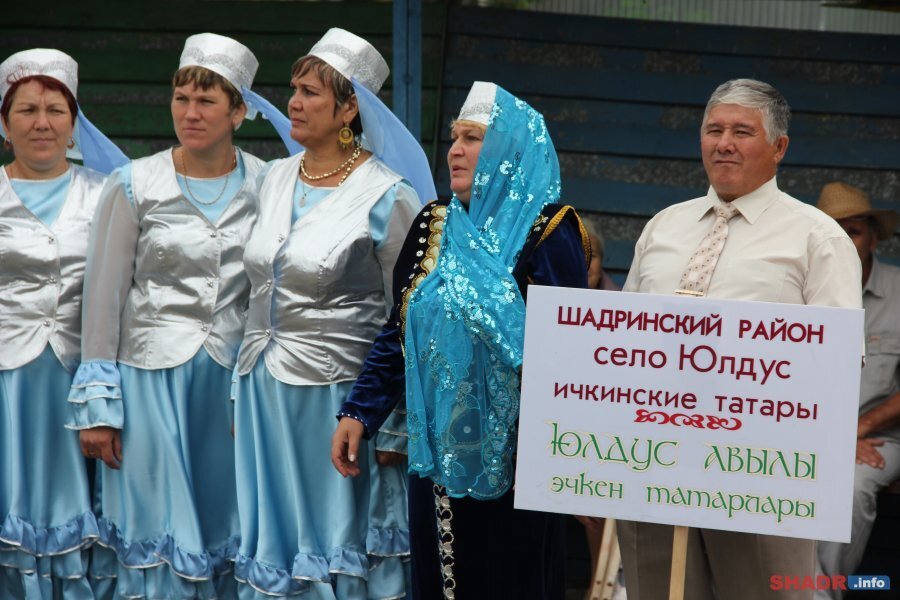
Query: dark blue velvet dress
[498, 551]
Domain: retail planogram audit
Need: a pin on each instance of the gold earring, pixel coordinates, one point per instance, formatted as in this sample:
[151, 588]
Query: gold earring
[345, 137]
[71, 143]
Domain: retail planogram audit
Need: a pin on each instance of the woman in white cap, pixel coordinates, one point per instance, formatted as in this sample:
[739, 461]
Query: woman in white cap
[320, 259]
[459, 320]
[165, 296]
[46, 206]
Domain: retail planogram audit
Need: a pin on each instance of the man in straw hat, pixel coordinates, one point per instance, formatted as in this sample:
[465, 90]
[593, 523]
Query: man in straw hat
[878, 433]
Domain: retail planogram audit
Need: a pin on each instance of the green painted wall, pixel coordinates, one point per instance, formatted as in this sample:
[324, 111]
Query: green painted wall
[127, 52]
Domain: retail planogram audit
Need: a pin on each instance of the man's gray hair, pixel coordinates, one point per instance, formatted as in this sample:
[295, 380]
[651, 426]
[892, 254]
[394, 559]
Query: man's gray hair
[750, 93]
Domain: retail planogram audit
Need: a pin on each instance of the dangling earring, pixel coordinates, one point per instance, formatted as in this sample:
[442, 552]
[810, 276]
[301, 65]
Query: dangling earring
[7, 143]
[71, 143]
[345, 137]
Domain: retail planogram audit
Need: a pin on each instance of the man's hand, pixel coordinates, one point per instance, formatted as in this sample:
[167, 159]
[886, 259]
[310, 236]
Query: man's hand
[345, 446]
[866, 453]
[389, 459]
[592, 523]
[104, 443]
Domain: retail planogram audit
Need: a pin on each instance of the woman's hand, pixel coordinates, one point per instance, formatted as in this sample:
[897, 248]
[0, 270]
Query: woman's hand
[104, 443]
[345, 446]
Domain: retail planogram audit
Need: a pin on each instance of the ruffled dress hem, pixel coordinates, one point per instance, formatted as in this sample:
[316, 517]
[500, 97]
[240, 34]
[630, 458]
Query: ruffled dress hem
[18, 534]
[57, 553]
[274, 581]
[144, 554]
[384, 542]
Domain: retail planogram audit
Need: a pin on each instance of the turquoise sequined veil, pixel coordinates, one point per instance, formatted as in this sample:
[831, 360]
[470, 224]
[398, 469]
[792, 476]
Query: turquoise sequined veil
[465, 322]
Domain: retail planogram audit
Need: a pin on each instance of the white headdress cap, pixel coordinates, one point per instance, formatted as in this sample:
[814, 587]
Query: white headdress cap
[39, 61]
[97, 150]
[223, 55]
[352, 56]
[479, 103]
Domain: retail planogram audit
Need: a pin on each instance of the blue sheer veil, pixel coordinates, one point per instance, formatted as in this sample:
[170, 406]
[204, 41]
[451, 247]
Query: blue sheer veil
[256, 103]
[96, 150]
[383, 135]
[392, 143]
[465, 322]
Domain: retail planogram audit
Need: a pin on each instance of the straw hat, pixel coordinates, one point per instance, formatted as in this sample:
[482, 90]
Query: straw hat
[841, 201]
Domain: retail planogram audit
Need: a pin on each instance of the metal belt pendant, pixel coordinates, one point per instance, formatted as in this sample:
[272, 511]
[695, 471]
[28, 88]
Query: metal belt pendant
[444, 516]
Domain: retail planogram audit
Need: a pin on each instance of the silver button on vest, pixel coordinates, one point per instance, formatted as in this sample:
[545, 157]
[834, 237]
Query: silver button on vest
[42, 273]
[317, 298]
[189, 287]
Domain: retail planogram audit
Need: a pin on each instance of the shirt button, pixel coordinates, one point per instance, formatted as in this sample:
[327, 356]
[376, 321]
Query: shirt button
[280, 237]
[51, 239]
[268, 282]
[52, 280]
[268, 333]
[204, 328]
[46, 323]
[211, 283]
[213, 234]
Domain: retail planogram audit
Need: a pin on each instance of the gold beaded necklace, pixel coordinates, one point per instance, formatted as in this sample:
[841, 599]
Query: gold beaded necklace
[346, 166]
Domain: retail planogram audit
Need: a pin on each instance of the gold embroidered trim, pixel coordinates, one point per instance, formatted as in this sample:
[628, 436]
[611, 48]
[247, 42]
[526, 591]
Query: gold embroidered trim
[429, 258]
[435, 233]
[554, 223]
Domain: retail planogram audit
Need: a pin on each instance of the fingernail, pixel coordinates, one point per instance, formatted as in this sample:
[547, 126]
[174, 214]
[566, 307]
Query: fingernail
[352, 458]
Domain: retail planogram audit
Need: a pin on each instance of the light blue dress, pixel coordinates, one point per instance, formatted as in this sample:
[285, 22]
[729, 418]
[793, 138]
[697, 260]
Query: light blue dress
[47, 525]
[306, 531]
[168, 523]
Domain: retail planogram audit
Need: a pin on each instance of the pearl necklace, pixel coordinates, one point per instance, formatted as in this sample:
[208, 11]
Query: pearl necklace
[346, 166]
[187, 185]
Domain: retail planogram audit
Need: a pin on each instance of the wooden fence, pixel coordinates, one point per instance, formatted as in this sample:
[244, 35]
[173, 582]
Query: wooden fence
[624, 100]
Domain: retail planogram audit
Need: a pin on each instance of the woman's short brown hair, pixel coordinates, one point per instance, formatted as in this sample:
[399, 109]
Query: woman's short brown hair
[205, 79]
[48, 83]
[328, 75]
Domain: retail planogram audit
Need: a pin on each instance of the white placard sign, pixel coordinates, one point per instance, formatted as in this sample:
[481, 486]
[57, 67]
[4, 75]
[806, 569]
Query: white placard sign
[708, 413]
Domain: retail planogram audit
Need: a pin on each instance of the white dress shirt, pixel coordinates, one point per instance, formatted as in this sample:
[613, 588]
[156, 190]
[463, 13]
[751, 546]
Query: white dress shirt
[778, 250]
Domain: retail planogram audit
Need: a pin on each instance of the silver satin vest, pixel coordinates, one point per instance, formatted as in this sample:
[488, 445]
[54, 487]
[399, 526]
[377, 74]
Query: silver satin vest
[42, 273]
[189, 288]
[317, 318]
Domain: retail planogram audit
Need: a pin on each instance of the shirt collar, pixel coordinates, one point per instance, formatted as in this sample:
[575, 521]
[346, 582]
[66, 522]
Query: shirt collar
[876, 284]
[750, 206]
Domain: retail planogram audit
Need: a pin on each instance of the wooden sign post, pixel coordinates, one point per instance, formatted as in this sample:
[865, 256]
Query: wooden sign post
[679, 563]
